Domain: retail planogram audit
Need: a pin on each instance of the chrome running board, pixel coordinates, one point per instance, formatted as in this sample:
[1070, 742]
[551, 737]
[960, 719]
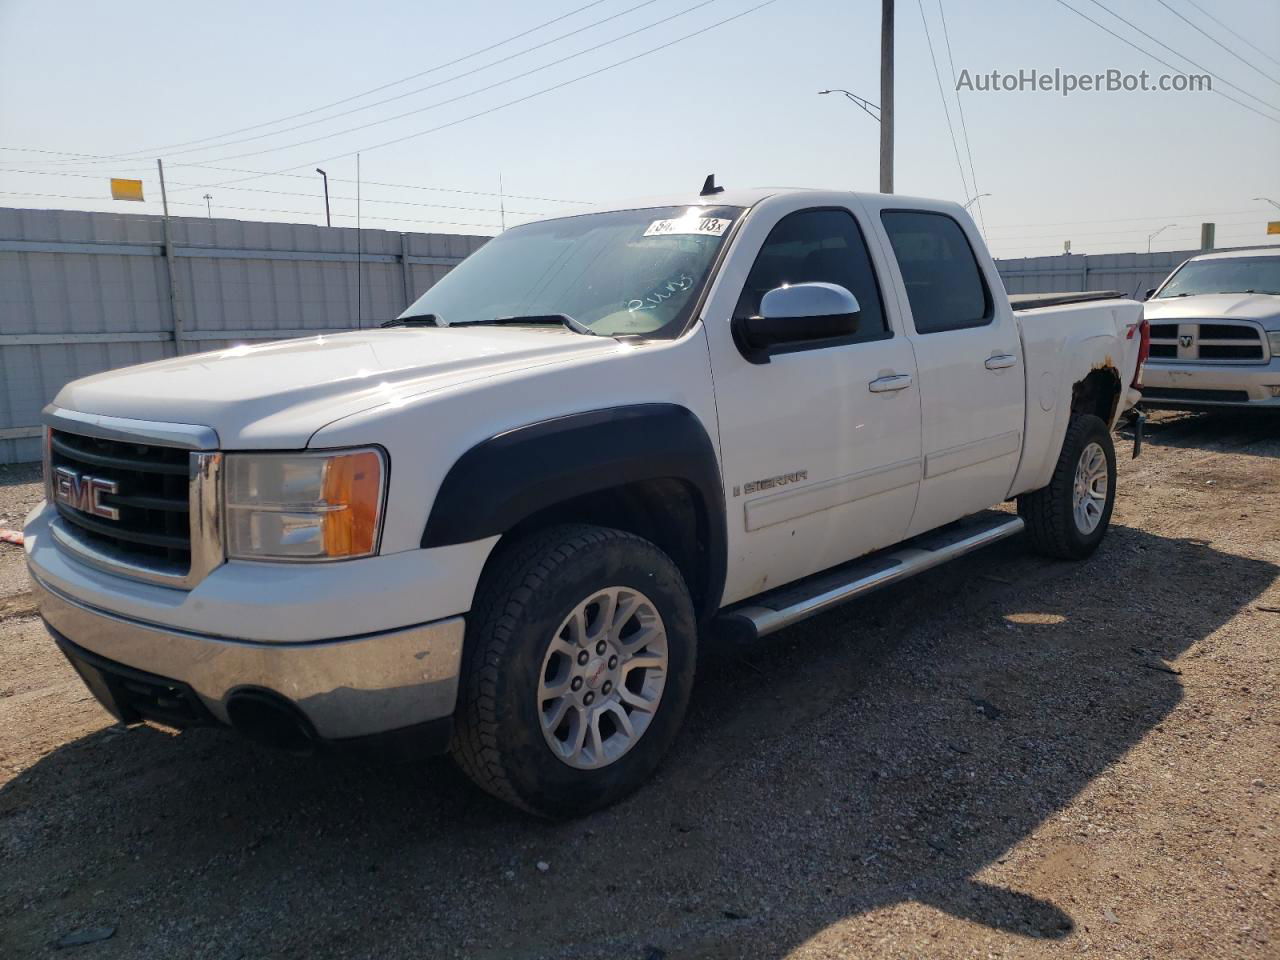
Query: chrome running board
[777, 609]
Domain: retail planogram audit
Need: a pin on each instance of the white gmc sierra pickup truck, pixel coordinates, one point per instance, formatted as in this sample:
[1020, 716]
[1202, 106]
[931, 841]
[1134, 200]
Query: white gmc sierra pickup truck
[500, 525]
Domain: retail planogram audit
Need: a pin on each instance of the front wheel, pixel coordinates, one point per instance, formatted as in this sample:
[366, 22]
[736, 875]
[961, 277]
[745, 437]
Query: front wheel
[1070, 516]
[578, 667]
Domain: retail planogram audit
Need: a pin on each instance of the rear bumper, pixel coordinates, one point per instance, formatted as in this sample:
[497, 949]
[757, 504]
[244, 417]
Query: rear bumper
[1196, 385]
[344, 689]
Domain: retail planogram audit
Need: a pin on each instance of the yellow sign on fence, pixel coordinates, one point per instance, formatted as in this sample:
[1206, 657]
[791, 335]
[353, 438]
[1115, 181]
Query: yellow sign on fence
[1273, 226]
[126, 189]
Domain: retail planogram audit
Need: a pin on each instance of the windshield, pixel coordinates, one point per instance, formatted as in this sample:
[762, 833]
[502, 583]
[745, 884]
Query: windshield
[1231, 275]
[623, 272]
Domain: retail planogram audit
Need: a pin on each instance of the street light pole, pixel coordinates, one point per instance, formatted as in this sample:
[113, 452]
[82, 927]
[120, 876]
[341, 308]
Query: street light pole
[884, 115]
[327, 221]
[973, 200]
[207, 205]
[1270, 201]
[1152, 236]
[886, 96]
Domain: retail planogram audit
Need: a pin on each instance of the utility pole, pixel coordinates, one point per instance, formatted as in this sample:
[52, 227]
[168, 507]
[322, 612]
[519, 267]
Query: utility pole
[170, 260]
[886, 96]
[208, 208]
[359, 254]
[327, 221]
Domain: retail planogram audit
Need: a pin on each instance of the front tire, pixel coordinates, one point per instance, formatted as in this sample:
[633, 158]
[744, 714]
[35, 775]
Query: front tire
[1069, 517]
[577, 670]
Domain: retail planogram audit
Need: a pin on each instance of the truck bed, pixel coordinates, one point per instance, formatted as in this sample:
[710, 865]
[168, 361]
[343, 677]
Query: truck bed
[1033, 301]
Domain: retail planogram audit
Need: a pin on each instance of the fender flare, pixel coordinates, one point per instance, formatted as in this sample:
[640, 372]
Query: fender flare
[511, 476]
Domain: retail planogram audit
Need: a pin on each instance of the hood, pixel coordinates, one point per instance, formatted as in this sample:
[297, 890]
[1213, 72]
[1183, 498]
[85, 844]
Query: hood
[1236, 306]
[279, 394]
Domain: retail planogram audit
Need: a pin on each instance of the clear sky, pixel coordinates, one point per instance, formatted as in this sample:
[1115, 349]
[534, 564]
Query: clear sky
[1104, 170]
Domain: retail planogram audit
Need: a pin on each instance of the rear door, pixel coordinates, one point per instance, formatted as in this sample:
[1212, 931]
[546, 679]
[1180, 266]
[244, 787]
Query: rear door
[820, 446]
[969, 362]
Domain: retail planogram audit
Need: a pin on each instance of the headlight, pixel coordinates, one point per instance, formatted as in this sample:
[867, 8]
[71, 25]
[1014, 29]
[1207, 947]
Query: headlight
[304, 506]
[1274, 337]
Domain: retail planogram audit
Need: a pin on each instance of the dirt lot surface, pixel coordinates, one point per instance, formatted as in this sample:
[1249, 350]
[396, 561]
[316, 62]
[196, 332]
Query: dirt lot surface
[1008, 757]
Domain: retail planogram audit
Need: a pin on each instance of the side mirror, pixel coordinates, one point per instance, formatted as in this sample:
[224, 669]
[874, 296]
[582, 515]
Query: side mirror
[796, 314]
[1149, 294]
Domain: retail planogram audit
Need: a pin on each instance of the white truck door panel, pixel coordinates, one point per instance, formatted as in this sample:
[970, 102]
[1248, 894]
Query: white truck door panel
[820, 446]
[969, 363]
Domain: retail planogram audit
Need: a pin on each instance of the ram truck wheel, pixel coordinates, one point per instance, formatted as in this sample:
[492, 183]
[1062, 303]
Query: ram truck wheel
[1069, 517]
[578, 665]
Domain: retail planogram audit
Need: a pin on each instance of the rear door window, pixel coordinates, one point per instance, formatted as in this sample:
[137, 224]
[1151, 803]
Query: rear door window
[945, 286]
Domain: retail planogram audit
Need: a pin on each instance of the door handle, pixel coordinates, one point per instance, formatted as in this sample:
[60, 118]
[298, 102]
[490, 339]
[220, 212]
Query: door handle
[1000, 361]
[897, 381]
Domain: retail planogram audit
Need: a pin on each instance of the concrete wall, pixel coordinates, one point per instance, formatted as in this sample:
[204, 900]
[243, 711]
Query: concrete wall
[85, 292]
[1129, 273]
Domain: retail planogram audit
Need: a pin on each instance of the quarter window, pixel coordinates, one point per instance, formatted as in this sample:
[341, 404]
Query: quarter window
[944, 284]
[811, 246]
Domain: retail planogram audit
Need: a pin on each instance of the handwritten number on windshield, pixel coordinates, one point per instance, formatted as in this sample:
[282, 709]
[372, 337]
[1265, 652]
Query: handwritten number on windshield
[662, 294]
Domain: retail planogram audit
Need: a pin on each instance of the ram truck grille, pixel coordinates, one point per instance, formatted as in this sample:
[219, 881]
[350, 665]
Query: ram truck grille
[1204, 341]
[130, 501]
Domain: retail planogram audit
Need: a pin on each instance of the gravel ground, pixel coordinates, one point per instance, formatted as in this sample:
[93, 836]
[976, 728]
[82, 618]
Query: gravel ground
[1007, 757]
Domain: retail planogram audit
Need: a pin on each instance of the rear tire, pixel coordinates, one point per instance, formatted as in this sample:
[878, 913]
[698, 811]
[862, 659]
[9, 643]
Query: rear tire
[577, 670]
[1069, 517]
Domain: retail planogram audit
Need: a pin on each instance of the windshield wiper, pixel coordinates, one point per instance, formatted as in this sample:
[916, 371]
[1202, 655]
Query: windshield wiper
[419, 320]
[534, 318]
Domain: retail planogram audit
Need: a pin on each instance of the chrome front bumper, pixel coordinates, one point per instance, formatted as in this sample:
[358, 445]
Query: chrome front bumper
[1188, 385]
[347, 688]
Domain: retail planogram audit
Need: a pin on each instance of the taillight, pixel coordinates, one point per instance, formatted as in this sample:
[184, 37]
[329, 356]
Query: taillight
[1143, 330]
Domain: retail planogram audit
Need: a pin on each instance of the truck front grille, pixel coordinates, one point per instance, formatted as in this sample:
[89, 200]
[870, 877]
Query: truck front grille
[1217, 341]
[151, 526]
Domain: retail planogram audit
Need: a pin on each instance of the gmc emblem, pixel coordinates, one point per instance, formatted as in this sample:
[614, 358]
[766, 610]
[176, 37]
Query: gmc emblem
[84, 493]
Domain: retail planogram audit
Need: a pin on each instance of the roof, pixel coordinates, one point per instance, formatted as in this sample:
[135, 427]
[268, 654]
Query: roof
[1270, 251]
[743, 197]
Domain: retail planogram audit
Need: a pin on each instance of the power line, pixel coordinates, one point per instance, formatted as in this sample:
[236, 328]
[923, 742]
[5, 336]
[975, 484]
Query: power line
[1153, 216]
[292, 176]
[150, 151]
[286, 193]
[1252, 66]
[1157, 59]
[462, 96]
[964, 127]
[1135, 231]
[430, 86]
[1233, 33]
[306, 213]
[964, 185]
[518, 100]
[1161, 43]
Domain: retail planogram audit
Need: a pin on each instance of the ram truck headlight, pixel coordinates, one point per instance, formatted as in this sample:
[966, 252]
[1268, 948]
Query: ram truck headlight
[1274, 337]
[325, 505]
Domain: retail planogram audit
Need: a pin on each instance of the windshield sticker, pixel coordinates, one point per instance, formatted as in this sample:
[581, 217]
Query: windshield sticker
[709, 226]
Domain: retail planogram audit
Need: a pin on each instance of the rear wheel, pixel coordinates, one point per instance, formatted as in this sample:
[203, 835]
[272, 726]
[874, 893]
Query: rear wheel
[1069, 517]
[578, 667]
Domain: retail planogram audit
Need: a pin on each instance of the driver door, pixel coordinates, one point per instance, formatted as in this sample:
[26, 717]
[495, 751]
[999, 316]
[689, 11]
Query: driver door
[820, 445]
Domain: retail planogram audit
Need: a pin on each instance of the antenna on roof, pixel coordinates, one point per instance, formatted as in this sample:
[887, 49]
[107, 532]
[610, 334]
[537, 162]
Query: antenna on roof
[709, 187]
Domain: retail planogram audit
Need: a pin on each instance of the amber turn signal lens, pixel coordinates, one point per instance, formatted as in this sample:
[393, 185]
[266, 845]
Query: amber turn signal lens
[352, 492]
